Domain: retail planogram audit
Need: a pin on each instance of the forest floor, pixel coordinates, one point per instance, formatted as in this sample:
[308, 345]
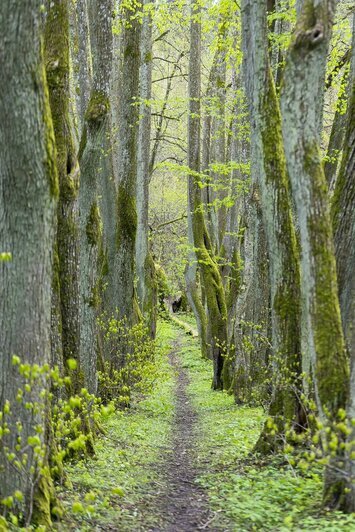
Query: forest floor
[180, 459]
[184, 505]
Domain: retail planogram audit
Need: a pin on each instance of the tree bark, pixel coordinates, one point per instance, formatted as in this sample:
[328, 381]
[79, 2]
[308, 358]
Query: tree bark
[146, 286]
[343, 215]
[66, 272]
[28, 198]
[302, 111]
[126, 167]
[92, 157]
[269, 172]
[210, 274]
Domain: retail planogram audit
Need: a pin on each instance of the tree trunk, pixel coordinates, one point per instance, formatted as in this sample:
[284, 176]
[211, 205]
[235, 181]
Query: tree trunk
[82, 62]
[210, 274]
[28, 198]
[269, 171]
[343, 214]
[302, 111]
[146, 286]
[92, 158]
[66, 272]
[126, 167]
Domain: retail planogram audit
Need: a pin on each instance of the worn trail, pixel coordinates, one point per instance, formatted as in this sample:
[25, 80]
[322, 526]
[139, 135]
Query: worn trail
[184, 505]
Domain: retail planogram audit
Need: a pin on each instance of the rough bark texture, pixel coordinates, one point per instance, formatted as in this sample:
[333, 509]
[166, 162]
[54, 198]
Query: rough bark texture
[82, 61]
[92, 157]
[28, 197]
[146, 286]
[126, 167]
[269, 171]
[250, 314]
[66, 267]
[302, 111]
[343, 214]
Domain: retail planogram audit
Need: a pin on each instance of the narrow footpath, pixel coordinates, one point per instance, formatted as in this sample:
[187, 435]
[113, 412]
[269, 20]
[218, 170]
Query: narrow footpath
[185, 504]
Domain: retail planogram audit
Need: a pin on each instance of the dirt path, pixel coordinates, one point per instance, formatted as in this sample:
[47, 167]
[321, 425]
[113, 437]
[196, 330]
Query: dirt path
[184, 506]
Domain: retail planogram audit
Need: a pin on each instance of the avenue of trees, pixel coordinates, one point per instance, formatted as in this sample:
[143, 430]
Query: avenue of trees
[164, 149]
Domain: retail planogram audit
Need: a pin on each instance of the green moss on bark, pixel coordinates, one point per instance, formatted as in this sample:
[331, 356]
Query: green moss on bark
[331, 363]
[127, 216]
[94, 225]
[45, 501]
[98, 108]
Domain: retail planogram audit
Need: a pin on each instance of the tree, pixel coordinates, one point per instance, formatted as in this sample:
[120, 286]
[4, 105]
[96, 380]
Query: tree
[28, 200]
[66, 271]
[270, 173]
[92, 155]
[146, 286]
[210, 274]
[301, 104]
[126, 165]
[343, 216]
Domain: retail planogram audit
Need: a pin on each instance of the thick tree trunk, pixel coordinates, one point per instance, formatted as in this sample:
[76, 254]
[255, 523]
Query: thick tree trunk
[146, 286]
[101, 45]
[269, 171]
[302, 112]
[92, 156]
[66, 271]
[251, 310]
[126, 167]
[28, 197]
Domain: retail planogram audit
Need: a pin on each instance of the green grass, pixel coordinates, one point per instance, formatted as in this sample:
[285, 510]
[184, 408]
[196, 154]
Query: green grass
[247, 493]
[187, 317]
[119, 486]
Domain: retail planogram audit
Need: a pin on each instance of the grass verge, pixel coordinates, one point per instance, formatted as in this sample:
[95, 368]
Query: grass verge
[247, 493]
[117, 489]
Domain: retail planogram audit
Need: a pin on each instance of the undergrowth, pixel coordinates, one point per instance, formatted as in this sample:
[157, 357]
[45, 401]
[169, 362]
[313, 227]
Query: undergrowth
[120, 485]
[245, 491]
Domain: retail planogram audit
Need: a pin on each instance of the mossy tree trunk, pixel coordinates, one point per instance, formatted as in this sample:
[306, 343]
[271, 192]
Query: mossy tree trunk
[66, 272]
[147, 285]
[28, 200]
[82, 61]
[193, 290]
[92, 157]
[268, 168]
[210, 274]
[343, 214]
[250, 315]
[240, 264]
[302, 116]
[126, 166]
[101, 45]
